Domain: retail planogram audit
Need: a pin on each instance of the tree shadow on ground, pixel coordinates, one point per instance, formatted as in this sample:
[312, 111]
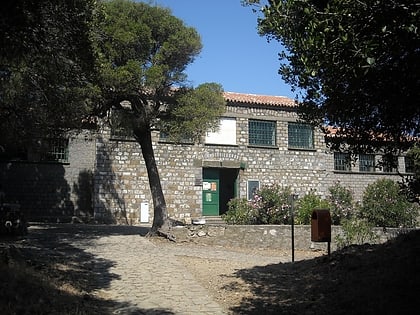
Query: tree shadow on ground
[45, 273]
[365, 279]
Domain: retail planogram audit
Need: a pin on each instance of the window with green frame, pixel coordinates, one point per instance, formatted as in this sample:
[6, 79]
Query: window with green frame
[342, 162]
[262, 132]
[300, 136]
[367, 163]
[409, 164]
[57, 150]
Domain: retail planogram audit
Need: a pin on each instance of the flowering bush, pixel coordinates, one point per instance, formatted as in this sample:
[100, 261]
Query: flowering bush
[341, 203]
[384, 205]
[271, 205]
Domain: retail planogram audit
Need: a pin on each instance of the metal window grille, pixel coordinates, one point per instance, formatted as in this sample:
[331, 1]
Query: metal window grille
[58, 151]
[342, 161]
[409, 164]
[300, 136]
[120, 132]
[390, 165]
[262, 132]
[367, 163]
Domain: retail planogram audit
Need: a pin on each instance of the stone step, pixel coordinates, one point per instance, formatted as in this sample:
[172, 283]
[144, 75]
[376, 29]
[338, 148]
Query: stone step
[214, 220]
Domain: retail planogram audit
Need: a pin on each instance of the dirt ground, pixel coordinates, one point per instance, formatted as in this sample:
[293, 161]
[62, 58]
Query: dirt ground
[43, 276]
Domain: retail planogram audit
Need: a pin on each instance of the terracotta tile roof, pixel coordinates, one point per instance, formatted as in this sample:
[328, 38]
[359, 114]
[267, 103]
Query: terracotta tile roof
[276, 101]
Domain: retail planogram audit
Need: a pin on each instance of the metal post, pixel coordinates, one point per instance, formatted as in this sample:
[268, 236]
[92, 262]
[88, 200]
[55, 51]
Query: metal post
[293, 197]
[293, 228]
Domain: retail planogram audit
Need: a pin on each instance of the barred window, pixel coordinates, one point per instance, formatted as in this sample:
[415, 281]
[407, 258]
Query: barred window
[262, 132]
[57, 150]
[342, 161]
[120, 130]
[390, 164]
[301, 136]
[409, 164]
[367, 163]
[164, 137]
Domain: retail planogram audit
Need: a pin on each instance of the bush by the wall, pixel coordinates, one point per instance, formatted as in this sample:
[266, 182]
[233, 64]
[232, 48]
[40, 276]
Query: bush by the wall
[306, 205]
[384, 205]
[341, 203]
[355, 231]
[239, 211]
[272, 205]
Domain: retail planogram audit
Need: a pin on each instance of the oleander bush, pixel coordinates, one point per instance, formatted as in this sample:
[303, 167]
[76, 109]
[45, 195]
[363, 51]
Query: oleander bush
[272, 205]
[239, 212]
[341, 203]
[384, 205]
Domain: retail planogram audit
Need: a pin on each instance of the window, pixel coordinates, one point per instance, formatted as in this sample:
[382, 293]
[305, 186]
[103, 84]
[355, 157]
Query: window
[390, 164]
[367, 163]
[301, 136]
[342, 162]
[253, 186]
[57, 151]
[226, 134]
[164, 137]
[262, 132]
[119, 127]
[409, 164]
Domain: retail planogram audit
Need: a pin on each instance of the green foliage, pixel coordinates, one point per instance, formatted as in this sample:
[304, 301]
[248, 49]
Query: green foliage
[355, 231]
[341, 203]
[239, 211]
[195, 112]
[144, 51]
[47, 67]
[356, 63]
[272, 205]
[306, 205]
[384, 205]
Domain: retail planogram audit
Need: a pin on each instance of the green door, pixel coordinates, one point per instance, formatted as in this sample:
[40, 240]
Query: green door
[211, 192]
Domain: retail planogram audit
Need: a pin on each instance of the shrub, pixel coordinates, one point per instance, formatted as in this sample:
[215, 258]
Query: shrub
[306, 205]
[355, 231]
[384, 205]
[271, 204]
[341, 203]
[239, 211]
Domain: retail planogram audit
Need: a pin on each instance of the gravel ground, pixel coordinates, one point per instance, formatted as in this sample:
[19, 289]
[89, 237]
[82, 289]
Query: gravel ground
[43, 276]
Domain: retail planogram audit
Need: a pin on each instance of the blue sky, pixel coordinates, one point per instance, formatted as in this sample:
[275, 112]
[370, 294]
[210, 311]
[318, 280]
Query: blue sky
[233, 54]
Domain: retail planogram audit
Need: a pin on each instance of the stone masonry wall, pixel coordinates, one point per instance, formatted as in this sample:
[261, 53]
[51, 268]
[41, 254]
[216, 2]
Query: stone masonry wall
[121, 183]
[265, 236]
[53, 191]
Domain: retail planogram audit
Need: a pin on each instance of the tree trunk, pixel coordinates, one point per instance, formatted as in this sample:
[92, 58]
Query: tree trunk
[160, 218]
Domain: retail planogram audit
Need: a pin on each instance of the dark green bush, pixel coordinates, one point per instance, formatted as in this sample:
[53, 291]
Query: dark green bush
[355, 231]
[384, 205]
[239, 211]
[306, 205]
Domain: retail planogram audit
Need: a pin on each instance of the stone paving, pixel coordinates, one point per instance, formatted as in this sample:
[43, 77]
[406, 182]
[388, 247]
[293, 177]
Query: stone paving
[150, 280]
[136, 275]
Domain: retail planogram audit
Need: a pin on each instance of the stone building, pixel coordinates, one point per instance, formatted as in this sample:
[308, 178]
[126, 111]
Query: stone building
[259, 142]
